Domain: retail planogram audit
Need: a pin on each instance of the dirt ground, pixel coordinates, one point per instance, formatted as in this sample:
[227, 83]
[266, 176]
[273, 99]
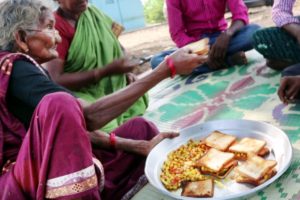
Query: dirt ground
[155, 38]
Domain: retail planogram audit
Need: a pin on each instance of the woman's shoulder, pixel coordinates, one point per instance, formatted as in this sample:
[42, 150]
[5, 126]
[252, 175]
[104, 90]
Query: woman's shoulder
[25, 67]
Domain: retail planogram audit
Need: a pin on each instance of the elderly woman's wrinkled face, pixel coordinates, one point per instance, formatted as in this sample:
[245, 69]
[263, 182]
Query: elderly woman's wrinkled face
[43, 40]
[73, 6]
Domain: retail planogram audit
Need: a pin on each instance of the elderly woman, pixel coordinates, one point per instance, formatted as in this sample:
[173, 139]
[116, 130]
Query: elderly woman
[46, 133]
[91, 61]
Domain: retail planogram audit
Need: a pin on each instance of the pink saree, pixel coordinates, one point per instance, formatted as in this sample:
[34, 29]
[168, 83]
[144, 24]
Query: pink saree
[54, 158]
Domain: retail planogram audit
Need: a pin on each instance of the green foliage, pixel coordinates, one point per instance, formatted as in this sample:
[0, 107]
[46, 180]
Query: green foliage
[154, 11]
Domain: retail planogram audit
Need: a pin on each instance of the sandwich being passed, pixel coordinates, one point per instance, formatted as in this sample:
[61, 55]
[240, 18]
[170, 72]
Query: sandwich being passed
[216, 163]
[200, 47]
[218, 140]
[203, 188]
[255, 170]
[249, 145]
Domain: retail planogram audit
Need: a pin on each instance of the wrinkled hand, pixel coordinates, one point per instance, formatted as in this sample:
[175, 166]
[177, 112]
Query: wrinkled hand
[185, 61]
[149, 145]
[121, 66]
[130, 78]
[6, 67]
[217, 54]
[289, 88]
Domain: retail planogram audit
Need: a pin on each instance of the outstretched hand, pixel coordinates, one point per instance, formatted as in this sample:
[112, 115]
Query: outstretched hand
[289, 88]
[122, 65]
[185, 61]
[130, 78]
[149, 145]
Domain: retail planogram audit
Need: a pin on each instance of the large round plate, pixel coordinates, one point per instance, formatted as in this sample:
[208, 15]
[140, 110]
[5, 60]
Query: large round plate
[277, 141]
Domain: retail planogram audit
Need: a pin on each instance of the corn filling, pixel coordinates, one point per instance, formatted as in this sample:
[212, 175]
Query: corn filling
[220, 173]
[179, 165]
[241, 155]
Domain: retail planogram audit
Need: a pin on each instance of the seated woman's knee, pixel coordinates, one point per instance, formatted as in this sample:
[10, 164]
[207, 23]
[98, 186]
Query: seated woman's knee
[59, 100]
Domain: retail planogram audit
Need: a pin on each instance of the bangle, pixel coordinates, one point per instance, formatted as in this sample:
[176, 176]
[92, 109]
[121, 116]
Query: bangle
[112, 140]
[171, 66]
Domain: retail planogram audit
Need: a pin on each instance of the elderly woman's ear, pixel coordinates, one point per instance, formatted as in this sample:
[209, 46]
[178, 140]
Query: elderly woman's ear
[21, 45]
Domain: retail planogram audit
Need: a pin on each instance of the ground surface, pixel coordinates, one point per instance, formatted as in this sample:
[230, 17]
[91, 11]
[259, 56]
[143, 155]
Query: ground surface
[155, 38]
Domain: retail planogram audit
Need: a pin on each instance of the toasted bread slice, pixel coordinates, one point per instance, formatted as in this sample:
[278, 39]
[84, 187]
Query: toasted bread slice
[216, 163]
[263, 152]
[219, 140]
[203, 188]
[245, 179]
[247, 145]
[200, 47]
[255, 170]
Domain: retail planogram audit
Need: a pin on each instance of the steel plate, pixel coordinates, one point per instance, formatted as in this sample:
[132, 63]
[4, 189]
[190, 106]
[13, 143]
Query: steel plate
[277, 141]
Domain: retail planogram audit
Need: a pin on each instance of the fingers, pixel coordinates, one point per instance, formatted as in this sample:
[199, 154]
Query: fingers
[6, 67]
[130, 78]
[212, 63]
[282, 88]
[212, 52]
[202, 59]
[291, 92]
[169, 135]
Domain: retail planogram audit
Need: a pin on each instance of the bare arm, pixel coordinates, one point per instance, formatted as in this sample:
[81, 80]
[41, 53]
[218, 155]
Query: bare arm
[72, 81]
[294, 30]
[109, 107]
[78, 80]
[141, 147]
[235, 27]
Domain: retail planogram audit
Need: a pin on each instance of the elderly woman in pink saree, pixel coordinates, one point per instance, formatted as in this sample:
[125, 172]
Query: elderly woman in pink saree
[49, 148]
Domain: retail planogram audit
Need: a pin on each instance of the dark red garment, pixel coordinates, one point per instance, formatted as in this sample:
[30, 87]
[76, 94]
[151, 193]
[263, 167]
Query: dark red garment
[66, 32]
[55, 154]
[12, 130]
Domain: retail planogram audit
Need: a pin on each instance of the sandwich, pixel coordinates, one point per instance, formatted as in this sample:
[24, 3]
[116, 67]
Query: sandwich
[216, 163]
[200, 47]
[249, 145]
[255, 170]
[218, 140]
[203, 188]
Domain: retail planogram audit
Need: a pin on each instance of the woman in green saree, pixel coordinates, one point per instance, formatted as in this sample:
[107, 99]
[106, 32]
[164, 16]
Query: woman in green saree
[91, 60]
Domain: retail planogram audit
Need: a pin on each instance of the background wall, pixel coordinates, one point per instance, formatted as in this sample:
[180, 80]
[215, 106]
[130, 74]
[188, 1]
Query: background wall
[129, 13]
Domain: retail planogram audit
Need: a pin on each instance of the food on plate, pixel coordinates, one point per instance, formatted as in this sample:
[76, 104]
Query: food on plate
[216, 163]
[179, 165]
[255, 170]
[200, 47]
[194, 166]
[249, 145]
[219, 140]
[203, 188]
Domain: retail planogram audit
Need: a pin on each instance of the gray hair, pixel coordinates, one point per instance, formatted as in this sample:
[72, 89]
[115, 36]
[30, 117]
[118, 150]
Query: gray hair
[18, 15]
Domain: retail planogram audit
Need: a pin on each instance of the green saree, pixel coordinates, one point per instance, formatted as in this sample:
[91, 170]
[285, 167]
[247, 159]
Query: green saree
[94, 45]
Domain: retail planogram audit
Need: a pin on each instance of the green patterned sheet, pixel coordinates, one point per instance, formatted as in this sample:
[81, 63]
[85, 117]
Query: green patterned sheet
[241, 92]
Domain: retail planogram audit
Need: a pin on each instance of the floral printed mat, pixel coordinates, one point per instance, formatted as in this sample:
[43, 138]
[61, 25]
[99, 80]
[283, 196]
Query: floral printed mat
[240, 92]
